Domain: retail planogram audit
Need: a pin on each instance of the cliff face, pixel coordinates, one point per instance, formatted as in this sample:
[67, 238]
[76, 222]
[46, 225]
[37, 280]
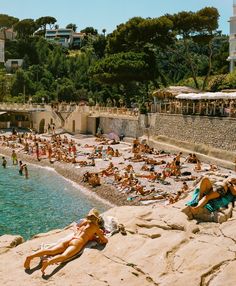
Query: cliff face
[161, 248]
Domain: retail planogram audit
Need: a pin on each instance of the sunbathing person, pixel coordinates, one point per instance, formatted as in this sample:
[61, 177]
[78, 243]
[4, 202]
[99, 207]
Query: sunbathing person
[88, 230]
[152, 198]
[94, 180]
[209, 191]
[109, 170]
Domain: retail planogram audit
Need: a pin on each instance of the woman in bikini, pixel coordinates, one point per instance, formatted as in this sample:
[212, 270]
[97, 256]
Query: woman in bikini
[88, 230]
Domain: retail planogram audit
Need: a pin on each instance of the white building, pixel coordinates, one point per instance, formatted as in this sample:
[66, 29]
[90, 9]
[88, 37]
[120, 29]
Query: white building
[64, 37]
[232, 39]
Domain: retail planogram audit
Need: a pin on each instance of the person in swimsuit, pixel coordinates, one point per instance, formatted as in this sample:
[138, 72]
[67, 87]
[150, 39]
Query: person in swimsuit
[4, 162]
[209, 191]
[87, 230]
[21, 166]
[14, 158]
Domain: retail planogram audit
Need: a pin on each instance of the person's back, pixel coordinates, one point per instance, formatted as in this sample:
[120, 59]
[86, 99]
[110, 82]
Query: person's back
[89, 231]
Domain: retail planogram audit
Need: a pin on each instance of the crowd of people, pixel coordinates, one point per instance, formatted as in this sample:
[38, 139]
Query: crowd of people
[138, 171]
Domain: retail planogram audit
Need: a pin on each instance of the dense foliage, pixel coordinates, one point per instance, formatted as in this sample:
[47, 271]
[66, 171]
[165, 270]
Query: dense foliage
[123, 67]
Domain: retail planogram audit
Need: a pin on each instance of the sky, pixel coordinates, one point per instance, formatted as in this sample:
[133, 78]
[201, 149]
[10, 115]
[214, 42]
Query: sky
[107, 14]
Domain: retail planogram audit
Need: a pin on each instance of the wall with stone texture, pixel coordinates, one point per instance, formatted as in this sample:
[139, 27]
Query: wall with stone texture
[128, 127]
[212, 131]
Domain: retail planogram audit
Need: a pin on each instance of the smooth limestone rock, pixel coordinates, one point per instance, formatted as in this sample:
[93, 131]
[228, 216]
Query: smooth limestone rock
[9, 241]
[162, 247]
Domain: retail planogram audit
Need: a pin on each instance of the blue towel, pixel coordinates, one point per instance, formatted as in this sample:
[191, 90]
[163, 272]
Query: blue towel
[212, 205]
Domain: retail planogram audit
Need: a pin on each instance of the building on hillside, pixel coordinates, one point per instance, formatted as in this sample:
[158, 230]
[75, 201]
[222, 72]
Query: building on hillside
[77, 40]
[7, 34]
[232, 39]
[64, 37]
[13, 64]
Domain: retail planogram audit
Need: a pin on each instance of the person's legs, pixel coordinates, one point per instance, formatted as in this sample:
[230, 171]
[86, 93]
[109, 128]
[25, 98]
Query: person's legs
[205, 186]
[59, 248]
[204, 201]
[68, 253]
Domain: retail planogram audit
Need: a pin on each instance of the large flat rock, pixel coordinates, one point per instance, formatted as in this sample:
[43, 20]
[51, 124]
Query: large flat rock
[161, 248]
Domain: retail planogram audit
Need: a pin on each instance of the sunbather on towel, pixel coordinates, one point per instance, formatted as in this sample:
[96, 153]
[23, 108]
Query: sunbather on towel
[209, 191]
[89, 230]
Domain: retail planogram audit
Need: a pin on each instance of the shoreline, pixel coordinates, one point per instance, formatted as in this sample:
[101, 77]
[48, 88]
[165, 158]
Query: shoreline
[104, 193]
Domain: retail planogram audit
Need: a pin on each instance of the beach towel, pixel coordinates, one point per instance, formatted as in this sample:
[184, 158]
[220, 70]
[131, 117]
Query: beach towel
[212, 205]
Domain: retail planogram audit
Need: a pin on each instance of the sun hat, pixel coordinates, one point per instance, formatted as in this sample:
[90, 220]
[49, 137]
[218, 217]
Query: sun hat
[93, 213]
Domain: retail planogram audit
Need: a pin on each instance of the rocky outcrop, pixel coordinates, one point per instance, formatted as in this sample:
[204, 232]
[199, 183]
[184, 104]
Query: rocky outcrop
[162, 247]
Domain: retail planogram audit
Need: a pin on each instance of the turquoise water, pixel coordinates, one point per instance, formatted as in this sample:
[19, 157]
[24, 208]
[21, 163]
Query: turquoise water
[43, 202]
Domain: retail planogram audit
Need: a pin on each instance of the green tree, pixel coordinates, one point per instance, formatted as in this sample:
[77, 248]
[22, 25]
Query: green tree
[122, 67]
[90, 30]
[72, 26]
[137, 32]
[200, 27]
[42, 22]
[25, 28]
[7, 22]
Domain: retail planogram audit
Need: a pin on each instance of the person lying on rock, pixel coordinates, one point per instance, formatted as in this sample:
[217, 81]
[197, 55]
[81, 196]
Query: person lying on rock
[210, 191]
[88, 230]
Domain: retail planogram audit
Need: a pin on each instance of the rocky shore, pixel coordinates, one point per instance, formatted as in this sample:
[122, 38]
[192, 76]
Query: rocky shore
[161, 248]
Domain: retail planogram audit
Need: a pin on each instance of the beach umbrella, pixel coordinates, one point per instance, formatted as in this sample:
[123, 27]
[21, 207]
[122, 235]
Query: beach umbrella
[113, 136]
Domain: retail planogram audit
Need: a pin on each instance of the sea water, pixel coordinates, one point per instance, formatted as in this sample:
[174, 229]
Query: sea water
[42, 202]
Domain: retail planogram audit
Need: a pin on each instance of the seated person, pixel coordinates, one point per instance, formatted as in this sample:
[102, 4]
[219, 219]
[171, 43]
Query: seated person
[88, 230]
[198, 166]
[194, 159]
[213, 167]
[210, 191]
[94, 180]
[91, 163]
[116, 153]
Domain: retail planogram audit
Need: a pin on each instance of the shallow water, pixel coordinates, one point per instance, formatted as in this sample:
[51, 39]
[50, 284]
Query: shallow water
[43, 202]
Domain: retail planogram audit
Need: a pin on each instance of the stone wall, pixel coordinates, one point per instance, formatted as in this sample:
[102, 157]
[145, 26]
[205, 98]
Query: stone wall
[212, 131]
[216, 132]
[126, 126]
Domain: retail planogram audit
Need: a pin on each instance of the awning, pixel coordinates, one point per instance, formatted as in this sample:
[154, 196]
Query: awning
[207, 96]
[2, 112]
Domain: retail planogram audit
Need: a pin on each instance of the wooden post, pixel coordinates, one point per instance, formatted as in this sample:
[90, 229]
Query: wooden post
[193, 107]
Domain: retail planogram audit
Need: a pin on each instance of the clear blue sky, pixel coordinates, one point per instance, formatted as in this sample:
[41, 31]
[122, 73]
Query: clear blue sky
[109, 13]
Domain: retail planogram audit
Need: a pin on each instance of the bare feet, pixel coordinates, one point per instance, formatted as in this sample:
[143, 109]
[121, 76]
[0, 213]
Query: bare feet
[27, 263]
[44, 265]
